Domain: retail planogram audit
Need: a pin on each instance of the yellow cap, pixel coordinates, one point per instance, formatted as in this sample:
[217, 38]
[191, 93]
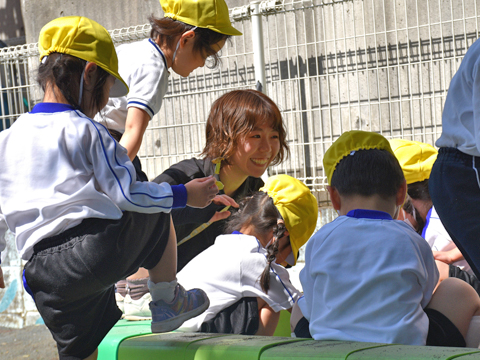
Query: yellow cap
[85, 39]
[415, 158]
[297, 205]
[352, 141]
[209, 14]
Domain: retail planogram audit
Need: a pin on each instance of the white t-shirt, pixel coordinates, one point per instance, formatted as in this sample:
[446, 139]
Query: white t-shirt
[144, 68]
[461, 113]
[230, 270]
[439, 239]
[367, 278]
[58, 167]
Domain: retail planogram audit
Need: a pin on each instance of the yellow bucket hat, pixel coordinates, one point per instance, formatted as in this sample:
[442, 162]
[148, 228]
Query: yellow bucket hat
[297, 205]
[85, 39]
[209, 14]
[415, 158]
[349, 142]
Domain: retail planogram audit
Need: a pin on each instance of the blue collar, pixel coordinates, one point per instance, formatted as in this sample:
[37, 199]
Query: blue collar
[46, 107]
[237, 232]
[160, 51]
[427, 222]
[369, 214]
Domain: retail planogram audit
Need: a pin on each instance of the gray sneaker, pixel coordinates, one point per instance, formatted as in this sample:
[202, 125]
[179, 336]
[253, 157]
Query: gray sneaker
[186, 305]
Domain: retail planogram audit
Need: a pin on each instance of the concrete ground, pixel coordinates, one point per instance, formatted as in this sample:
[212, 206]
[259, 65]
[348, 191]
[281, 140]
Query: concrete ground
[32, 342]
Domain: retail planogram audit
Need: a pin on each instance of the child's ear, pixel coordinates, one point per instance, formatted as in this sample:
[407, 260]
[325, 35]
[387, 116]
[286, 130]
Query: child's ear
[90, 74]
[401, 194]
[334, 197]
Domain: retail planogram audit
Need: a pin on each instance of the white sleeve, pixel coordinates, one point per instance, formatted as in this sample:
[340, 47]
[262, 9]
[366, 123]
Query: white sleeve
[116, 177]
[281, 295]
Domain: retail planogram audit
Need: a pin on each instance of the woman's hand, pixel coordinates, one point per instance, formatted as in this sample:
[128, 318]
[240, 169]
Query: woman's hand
[224, 213]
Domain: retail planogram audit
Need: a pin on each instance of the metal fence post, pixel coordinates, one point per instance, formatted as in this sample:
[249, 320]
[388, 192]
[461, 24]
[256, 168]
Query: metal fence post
[257, 40]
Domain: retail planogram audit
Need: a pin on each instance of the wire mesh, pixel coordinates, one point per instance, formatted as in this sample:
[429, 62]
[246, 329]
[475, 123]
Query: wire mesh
[331, 66]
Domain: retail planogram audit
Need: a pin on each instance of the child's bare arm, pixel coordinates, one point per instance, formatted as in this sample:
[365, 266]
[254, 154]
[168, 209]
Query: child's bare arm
[200, 192]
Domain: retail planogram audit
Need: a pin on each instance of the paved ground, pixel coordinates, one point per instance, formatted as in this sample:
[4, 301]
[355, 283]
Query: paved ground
[31, 342]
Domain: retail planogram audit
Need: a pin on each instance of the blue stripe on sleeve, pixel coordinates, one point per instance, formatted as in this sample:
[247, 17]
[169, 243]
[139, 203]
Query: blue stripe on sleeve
[95, 124]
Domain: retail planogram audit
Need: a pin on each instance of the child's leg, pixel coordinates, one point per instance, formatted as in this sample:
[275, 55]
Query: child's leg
[458, 301]
[171, 305]
[268, 319]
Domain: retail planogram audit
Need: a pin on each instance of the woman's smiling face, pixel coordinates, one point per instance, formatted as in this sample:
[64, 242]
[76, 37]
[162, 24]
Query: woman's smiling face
[256, 151]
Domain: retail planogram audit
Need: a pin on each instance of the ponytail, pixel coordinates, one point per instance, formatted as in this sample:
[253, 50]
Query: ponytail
[272, 251]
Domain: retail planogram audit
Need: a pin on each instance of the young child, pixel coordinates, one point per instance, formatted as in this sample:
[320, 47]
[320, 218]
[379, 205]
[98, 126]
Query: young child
[190, 32]
[80, 218]
[267, 230]
[244, 135]
[368, 277]
[416, 159]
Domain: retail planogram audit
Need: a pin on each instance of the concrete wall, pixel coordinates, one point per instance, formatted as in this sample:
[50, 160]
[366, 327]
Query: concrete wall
[111, 14]
[12, 31]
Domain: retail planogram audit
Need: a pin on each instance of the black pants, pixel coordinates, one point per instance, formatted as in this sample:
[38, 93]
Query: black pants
[455, 192]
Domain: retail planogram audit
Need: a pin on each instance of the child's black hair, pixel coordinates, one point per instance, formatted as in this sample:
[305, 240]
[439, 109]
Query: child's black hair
[167, 29]
[260, 212]
[368, 172]
[65, 72]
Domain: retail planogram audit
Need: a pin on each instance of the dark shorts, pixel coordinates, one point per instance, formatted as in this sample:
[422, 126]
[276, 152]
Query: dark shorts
[239, 318]
[441, 331]
[72, 275]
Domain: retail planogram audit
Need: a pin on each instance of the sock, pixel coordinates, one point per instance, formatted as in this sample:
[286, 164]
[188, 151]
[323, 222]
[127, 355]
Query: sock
[163, 290]
[137, 288]
[473, 333]
[121, 287]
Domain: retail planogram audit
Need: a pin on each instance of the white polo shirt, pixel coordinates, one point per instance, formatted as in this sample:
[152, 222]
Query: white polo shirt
[367, 278]
[230, 270]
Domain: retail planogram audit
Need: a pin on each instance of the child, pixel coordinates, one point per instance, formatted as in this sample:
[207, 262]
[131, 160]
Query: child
[267, 230]
[454, 182]
[80, 218]
[190, 32]
[368, 277]
[244, 135]
[416, 160]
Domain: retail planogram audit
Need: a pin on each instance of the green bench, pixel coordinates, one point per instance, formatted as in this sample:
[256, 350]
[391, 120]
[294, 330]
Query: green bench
[130, 340]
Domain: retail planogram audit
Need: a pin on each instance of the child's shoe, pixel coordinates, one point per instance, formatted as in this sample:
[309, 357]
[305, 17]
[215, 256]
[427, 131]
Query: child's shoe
[185, 305]
[137, 309]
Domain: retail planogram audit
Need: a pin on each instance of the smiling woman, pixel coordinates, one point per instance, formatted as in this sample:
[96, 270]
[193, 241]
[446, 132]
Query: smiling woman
[245, 134]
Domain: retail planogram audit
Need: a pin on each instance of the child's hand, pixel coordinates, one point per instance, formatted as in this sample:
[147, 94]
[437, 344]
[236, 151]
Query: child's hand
[200, 192]
[2, 281]
[224, 213]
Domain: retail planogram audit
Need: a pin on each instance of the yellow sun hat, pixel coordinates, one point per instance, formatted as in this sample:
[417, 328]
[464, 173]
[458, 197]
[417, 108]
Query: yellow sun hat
[85, 39]
[297, 205]
[415, 158]
[349, 142]
[209, 14]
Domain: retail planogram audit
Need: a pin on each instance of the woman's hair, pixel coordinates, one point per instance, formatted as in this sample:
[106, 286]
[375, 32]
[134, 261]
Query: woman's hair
[260, 212]
[167, 30]
[234, 115]
[368, 172]
[65, 72]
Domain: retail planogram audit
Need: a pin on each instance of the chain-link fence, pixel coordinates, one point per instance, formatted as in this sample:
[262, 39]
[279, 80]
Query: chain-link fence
[331, 66]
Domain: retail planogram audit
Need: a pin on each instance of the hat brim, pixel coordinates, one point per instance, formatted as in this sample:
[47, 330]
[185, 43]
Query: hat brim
[118, 89]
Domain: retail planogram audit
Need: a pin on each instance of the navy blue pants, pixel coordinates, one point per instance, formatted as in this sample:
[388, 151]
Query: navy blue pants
[455, 191]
